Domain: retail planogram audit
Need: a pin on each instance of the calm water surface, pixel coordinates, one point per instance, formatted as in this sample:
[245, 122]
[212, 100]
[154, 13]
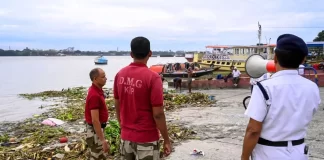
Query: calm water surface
[36, 74]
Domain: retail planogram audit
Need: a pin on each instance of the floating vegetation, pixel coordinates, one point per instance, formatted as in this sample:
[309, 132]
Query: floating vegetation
[70, 93]
[173, 101]
[43, 134]
[32, 140]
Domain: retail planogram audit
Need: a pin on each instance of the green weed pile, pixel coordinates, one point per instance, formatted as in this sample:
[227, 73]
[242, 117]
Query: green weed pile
[33, 140]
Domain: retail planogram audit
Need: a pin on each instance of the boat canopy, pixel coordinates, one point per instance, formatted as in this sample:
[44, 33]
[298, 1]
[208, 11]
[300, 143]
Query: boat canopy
[157, 68]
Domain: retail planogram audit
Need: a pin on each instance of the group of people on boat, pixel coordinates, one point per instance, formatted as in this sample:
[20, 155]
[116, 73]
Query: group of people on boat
[174, 67]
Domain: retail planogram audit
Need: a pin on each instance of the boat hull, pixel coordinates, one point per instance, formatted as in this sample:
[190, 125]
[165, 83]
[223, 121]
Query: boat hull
[101, 63]
[226, 67]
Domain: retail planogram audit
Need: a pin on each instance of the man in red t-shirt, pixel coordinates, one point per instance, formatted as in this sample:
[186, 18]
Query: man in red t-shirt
[138, 94]
[96, 116]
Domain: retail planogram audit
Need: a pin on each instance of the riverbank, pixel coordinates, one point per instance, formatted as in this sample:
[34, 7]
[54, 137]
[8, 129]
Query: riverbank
[30, 139]
[215, 127]
[221, 129]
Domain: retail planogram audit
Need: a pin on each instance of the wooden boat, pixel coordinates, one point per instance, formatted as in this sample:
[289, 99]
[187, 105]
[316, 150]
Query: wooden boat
[228, 57]
[180, 70]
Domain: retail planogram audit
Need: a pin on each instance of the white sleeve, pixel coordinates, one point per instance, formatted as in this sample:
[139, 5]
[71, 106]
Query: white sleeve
[257, 108]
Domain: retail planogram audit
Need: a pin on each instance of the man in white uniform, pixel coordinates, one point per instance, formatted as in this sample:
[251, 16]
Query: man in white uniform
[278, 126]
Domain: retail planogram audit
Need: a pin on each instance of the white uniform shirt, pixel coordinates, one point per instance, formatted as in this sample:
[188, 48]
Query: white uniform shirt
[301, 69]
[294, 100]
[263, 77]
[236, 73]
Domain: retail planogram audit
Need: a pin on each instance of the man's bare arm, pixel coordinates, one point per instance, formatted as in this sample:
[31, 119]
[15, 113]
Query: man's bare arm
[96, 124]
[159, 117]
[251, 138]
[117, 110]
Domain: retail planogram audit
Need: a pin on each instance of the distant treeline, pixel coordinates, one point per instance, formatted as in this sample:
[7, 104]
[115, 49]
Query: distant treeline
[71, 52]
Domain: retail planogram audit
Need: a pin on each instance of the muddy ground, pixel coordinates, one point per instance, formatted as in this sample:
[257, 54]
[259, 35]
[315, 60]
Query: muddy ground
[221, 128]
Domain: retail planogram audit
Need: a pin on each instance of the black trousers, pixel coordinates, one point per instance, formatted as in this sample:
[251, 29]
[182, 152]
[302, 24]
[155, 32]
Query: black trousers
[251, 88]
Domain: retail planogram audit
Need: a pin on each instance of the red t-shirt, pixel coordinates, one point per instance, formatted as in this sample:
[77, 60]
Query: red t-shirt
[96, 100]
[138, 90]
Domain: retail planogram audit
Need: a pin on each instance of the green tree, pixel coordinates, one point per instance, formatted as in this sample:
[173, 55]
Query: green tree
[320, 36]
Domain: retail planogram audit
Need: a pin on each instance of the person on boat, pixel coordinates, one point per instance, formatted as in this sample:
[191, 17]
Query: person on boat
[177, 83]
[96, 116]
[282, 107]
[138, 94]
[190, 72]
[177, 66]
[187, 65]
[253, 81]
[236, 76]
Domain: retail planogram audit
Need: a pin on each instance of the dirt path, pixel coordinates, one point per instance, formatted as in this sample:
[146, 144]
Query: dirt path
[221, 128]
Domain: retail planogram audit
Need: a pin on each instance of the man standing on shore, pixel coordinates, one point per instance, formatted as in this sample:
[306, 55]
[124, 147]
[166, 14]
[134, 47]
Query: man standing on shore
[190, 72]
[96, 116]
[138, 94]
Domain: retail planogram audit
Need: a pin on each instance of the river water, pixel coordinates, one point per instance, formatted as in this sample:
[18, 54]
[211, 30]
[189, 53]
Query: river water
[36, 74]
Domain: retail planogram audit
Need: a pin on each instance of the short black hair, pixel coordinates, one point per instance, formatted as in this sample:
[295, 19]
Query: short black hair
[94, 73]
[140, 47]
[289, 59]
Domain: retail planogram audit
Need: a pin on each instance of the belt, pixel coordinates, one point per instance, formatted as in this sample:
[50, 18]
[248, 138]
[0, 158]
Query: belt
[103, 125]
[279, 143]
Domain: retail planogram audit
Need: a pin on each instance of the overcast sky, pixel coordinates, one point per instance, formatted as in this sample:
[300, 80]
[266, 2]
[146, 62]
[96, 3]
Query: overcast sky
[169, 24]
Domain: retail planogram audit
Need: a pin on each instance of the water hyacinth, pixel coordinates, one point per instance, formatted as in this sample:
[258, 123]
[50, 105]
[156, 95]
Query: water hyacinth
[30, 139]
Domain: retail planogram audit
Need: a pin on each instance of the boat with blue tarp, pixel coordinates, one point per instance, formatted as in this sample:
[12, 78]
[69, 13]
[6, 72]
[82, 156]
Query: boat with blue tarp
[101, 60]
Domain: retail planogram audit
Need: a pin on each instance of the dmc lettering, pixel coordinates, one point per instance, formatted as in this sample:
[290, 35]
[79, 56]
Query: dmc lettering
[128, 84]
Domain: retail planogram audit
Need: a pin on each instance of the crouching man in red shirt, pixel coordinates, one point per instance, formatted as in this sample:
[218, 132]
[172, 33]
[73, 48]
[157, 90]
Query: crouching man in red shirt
[138, 94]
[96, 116]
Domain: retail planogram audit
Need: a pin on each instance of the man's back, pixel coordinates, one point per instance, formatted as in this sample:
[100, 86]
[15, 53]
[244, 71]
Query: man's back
[294, 100]
[190, 72]
[138, 89]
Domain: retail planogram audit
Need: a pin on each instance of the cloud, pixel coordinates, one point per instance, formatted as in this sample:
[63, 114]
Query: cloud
[175, 24]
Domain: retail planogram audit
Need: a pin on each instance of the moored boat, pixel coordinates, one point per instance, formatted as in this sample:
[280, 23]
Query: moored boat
[101, 60]
[180, 69]
[228, 57]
